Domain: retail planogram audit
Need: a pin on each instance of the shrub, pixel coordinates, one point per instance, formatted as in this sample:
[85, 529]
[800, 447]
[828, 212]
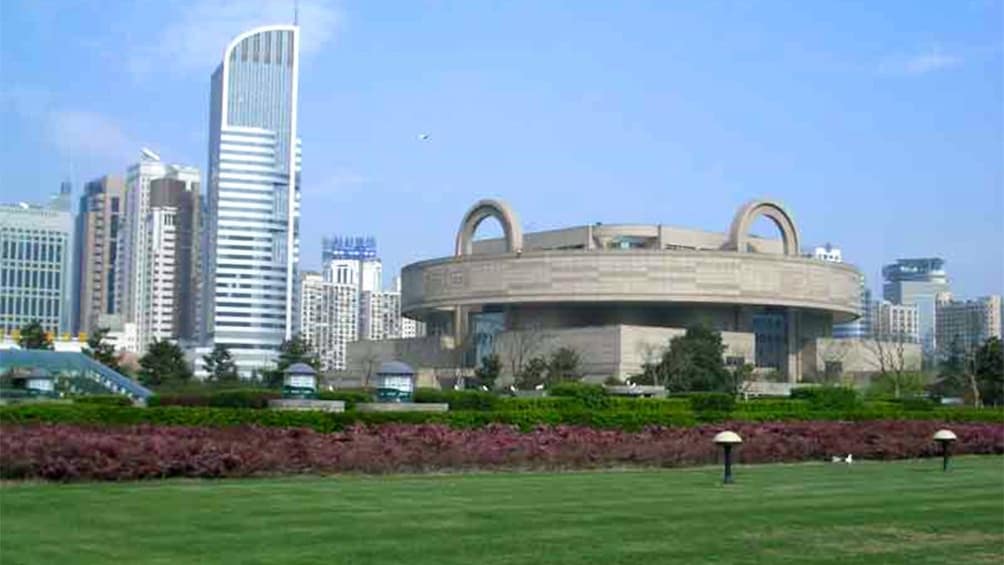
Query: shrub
[915, 403]
[254, 398]
[349, 397]
[457, 399]
[827, 397]
[103, 399]
[712, 402]
[75, 453]
[589, 395]
[236, 398]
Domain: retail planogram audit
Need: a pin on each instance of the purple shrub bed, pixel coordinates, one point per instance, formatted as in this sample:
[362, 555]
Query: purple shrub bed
[63, 452]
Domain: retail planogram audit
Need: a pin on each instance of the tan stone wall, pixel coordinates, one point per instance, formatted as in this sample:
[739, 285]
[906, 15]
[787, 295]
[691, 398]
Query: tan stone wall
[684, 277]
[857, 356]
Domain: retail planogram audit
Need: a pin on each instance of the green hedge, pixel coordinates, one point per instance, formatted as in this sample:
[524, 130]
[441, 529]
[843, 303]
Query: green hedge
[349, 397]
[526, 418]
[828, 397]
[457, 399]
[590, 396]
[235, 398]
[719, 402]
[326, 421]
[103, 399]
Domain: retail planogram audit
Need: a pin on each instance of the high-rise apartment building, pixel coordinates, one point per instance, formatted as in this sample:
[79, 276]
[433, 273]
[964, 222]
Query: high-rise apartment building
[98, 223]
[328, 317]
[895, 322]
[380, 315]
[171, 281]
[968, 323]
[36, 264]
[134, 262]
[252, 245]
[918, 282]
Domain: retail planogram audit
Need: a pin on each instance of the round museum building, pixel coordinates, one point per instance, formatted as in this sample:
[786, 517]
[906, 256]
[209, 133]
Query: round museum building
[616, 293]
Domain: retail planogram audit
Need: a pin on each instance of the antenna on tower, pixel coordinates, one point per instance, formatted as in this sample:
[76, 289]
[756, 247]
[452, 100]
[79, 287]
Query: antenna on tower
[296, 12]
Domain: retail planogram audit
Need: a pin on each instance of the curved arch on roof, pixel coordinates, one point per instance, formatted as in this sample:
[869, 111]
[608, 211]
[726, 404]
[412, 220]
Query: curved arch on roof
[749, 212]
[251, 32]
[479, 212]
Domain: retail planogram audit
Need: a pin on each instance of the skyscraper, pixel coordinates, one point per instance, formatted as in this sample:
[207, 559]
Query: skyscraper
[919, 282]
[36, 265]
[134, 262]
[99, 218]
[252, 245]
[172, 278]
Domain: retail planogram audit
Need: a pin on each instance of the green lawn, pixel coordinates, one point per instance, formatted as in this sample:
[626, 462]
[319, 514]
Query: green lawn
[902, 512]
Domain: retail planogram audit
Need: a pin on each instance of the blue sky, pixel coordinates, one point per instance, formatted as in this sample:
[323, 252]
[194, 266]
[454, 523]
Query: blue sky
[879, 124]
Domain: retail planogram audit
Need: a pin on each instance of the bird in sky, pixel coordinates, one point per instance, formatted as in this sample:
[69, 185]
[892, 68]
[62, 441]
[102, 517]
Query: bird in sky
[423, 137]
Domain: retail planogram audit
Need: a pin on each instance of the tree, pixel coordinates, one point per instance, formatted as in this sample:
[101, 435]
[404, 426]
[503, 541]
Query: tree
[563, 365]
[489, 371]
[693, 362]
[295, 350]
[888, 351]
[516, 348]
[651, 354]
[34, 336]
[220, 365]
[164, 363]
[989, 370]
[533, 374]
[102, 351]
[952, 379]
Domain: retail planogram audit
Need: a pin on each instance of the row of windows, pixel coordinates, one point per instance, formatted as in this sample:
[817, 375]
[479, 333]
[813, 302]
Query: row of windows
[30, 279]
[29, 306]
[24, 250]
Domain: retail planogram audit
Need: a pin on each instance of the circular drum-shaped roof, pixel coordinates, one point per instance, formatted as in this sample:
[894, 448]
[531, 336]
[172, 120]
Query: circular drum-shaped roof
[395, 368]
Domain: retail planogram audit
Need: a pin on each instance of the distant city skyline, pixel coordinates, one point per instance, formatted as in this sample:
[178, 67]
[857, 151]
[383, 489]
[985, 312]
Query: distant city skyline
[886, 139]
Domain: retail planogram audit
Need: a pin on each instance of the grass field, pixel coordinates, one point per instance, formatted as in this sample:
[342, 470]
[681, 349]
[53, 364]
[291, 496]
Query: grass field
[894, 512]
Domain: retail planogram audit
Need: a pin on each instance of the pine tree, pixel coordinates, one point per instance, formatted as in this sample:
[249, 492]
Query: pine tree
[102, 351]
[220, 365]
[34, 336]
[164, 363]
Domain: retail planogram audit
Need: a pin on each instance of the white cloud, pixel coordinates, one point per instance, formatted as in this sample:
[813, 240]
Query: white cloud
[74, 133]
[195, 39]
[79, 133]
[919, 64]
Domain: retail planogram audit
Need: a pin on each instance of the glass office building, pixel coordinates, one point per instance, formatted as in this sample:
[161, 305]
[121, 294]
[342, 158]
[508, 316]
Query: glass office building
[36, 263]
[252, 243]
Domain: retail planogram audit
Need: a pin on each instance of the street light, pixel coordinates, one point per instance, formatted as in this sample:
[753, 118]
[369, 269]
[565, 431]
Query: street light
[727, 439]
[945, 438]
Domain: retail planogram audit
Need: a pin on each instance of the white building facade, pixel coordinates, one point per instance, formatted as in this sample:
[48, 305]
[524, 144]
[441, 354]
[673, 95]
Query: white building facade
[968, 323]
[328, 318]
[899, 322]
[252, 245]
[36, 265]
[135, 265]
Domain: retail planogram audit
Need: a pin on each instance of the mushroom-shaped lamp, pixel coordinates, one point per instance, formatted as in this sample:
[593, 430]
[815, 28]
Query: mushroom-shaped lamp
[726, 440]
[945, 438]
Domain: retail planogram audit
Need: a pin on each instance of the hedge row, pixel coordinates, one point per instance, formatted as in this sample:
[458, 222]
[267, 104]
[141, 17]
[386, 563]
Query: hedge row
[524, 419]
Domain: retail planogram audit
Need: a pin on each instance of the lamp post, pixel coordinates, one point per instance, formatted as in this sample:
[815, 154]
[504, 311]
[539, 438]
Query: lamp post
[945, 438]
[727, 439]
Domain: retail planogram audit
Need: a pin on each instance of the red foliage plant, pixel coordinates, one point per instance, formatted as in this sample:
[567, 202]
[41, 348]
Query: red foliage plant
[71, 453]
